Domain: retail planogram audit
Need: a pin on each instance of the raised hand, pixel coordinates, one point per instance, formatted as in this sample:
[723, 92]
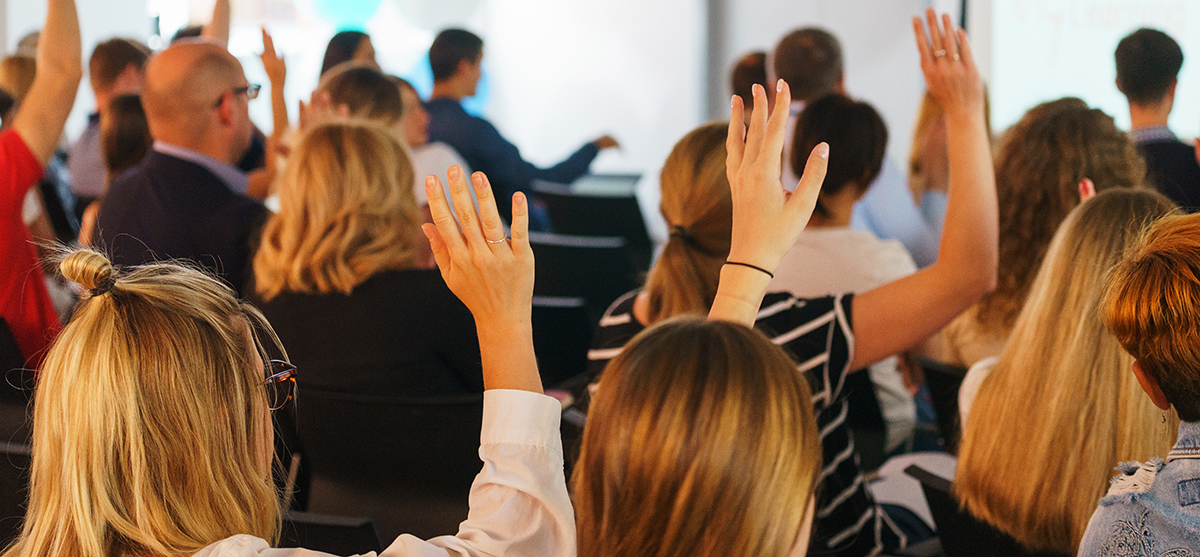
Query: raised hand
[492, 275]
[767, 220]
[272, 63]
[949, 67]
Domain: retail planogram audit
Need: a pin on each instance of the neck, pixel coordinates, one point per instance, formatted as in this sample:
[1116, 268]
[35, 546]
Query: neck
[447, 89]
[838, 210]
[1149, 115]
[218, 151]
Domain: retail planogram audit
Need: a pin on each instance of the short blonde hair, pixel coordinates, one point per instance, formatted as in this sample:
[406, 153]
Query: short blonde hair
[1039, 479]
[694, 420]
[1153, 308]
[150, 419]
[346, 211]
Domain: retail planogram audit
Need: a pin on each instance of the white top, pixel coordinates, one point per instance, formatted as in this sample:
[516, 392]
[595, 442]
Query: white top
[435, 158]
[519, 502]
[837, 260]
[970, 386]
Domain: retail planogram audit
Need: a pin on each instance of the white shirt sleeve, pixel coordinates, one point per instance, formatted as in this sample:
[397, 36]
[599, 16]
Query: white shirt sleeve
[519, 501]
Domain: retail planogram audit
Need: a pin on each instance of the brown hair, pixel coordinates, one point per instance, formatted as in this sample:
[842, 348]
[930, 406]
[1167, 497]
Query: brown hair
[856, 135]
[111, 57]
[693, 419]
[151, 428]
[367, 92]
[124, 134]
[1067, 370]
[698, 208]
[346, 211]
[1151, 307]
[1039, 166]
[751, 69]
[16, 75]
[810, 60]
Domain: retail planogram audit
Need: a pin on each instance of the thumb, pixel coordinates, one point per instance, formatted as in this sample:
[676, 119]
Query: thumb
[805, 197]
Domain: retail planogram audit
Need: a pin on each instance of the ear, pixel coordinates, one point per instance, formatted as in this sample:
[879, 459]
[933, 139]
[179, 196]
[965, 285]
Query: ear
[1150, 385]
[225, 109]
[841, 85]
[1119, 88]
[464, 66]
[1171, 89]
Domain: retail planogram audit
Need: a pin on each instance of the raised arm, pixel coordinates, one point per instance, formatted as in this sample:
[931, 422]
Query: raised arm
[40, 119]
[492, 276]
[262, 179]
[767, 220]
[898, 315]
[217, 28]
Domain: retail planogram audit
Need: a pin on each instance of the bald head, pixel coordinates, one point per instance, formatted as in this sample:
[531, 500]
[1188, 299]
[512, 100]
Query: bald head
[185, 92]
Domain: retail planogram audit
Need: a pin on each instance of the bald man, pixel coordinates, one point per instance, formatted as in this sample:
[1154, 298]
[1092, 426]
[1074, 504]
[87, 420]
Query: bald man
[186, 200]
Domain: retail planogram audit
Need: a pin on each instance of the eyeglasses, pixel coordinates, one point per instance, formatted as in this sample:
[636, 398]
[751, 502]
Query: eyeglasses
[250, 90]
[280, 383]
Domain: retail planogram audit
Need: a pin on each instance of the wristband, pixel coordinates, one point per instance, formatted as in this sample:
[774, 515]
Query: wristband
[755, 267]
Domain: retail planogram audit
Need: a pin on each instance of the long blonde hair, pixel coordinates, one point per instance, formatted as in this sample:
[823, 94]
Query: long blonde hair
[347, 211]
[150, 419]
[698, 208]
[1062, 408]
[696, 420]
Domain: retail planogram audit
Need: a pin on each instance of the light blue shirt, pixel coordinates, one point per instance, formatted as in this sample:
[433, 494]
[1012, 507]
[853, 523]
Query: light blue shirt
[229, 174]
[888, 211]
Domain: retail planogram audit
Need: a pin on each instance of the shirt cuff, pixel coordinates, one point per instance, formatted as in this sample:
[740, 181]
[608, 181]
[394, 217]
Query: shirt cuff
[523, 417]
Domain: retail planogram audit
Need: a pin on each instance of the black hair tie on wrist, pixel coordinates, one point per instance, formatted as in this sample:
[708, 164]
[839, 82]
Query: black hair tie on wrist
[755, 267]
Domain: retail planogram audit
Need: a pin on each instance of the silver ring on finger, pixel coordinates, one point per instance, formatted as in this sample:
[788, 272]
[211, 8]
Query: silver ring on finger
[500, 241]
[955, 57]
[939, 53]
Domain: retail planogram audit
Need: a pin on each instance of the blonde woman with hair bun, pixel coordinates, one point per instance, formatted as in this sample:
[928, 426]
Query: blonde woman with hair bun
[340, 272]
[1038, 480]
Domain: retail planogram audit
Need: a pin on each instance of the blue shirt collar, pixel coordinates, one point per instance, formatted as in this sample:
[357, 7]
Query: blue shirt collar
[1151, 134]
[234, 178]
[1188, 445]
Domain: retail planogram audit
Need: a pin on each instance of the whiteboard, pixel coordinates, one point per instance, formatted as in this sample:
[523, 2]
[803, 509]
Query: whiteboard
[1047, 49]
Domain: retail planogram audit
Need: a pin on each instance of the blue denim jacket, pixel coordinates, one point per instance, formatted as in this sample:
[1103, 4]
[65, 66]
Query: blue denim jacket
[1152, 509]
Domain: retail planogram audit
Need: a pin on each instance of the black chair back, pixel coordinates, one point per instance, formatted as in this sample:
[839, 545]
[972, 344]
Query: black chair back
[14, 489]
[562, 333]
[597, 269]
[944, 381]
[597, 214]
[336, 535]
[963, 535]
[405, 463]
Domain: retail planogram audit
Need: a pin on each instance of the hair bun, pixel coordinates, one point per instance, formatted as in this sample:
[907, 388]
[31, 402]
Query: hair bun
[90, 269]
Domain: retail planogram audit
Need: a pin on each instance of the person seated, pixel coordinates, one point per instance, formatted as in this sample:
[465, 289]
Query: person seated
[124, 142]
[340, 270]
[25, 149]
[811, 59]
[1150, 307]
[348, 46]
[456, 57]
[819, 333]
[427, 157]
[185, 200]
[1041, 162]
[749, 70]
[1063, 366]
[1148, 63]
[117, 67]
[831, 257]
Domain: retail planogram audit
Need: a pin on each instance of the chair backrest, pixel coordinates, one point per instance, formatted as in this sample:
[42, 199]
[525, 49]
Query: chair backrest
[336, 535]
[598, 214]
[963, 535]
[562, 333]
[597, 269]
[405, 463]
[944, 381]
[606, 184]
[15, 460]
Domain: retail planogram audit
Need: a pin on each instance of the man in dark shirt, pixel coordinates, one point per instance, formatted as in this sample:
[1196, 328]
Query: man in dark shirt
[186, 199]
[456, 57]
[1148, 63]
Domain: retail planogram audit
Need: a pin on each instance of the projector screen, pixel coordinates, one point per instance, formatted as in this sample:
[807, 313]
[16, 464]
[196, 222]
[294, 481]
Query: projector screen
[1046, 49]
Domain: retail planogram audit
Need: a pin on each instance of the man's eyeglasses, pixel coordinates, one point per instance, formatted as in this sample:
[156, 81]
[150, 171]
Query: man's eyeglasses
[250, 90]
[280, 383]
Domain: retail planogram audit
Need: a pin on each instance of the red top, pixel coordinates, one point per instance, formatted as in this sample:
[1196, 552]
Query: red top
[23, 295]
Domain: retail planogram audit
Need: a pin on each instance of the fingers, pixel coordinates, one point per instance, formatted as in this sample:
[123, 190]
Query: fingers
[520, 225]
[758, 124]
[735, 141]
[464, 207]
[964, 49]
[950, 38]
[489, 216]
[440, 254]
[922, 41]
[447, 227]
[935, 34]
[805, 196]
[777, 127]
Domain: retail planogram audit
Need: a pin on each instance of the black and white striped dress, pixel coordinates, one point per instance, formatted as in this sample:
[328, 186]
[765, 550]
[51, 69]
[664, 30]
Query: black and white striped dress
[817, 334]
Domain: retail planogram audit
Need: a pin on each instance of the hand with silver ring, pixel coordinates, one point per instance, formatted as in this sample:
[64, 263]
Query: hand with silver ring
[939, 53]
[500, 241]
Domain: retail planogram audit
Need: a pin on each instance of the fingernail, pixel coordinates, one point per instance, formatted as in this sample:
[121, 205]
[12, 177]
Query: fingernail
[732, 100]
[452, 172]
[823, 150]
[779, 85]
[430, 182]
